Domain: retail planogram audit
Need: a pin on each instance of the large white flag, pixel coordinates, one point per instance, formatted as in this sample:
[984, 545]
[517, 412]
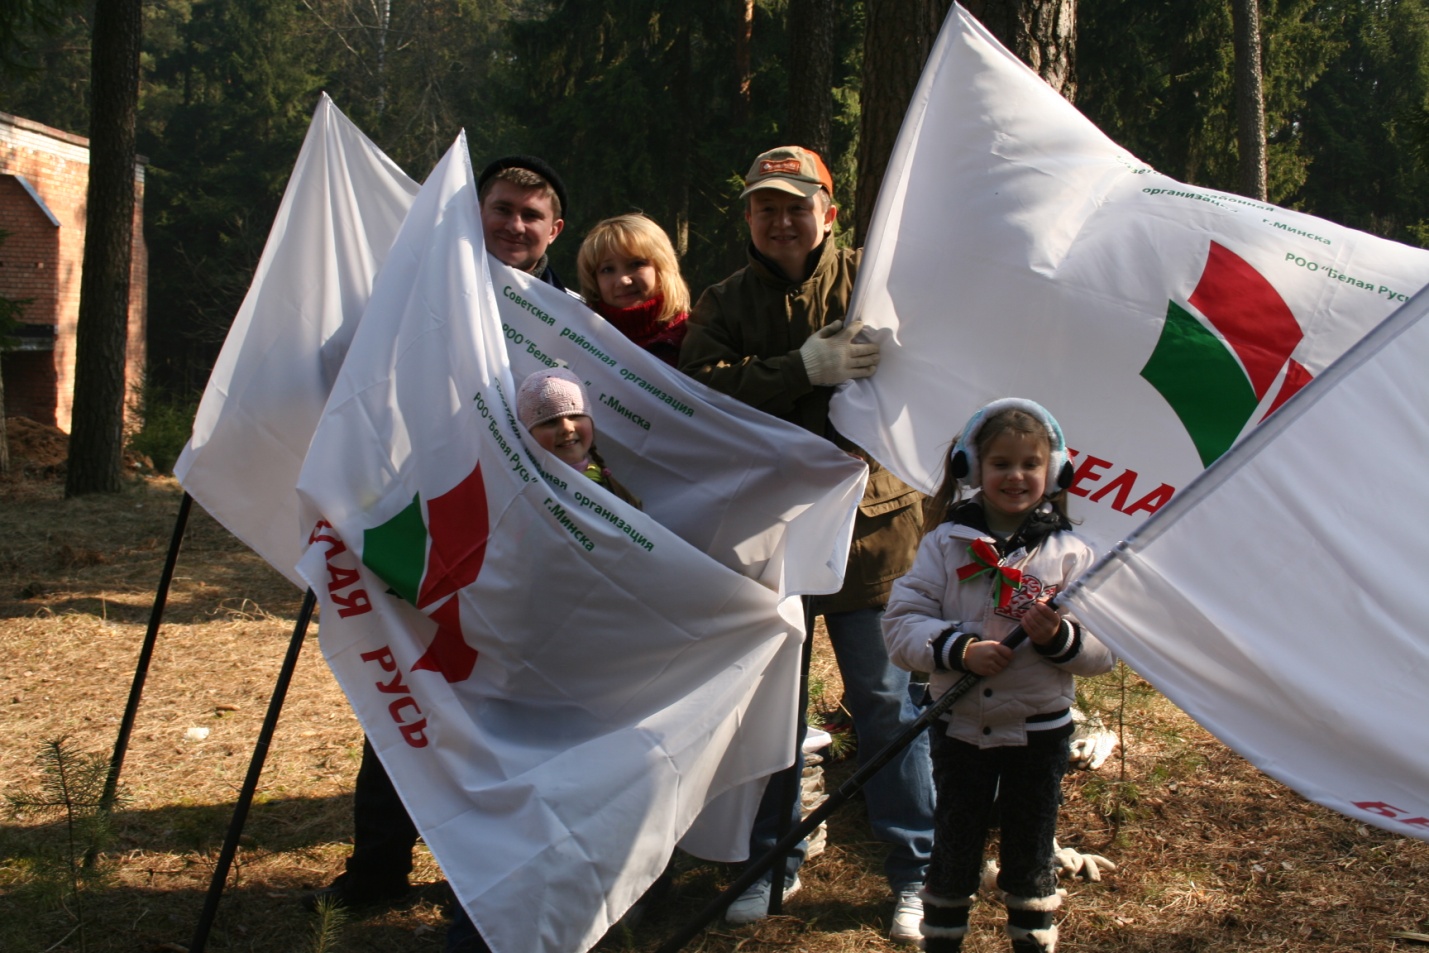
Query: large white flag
[1016, 251]
[1276, 597]
[339, 214]
[556, 682]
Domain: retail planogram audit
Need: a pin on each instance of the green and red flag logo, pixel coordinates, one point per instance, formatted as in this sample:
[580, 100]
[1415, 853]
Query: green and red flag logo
[426, 561]
[1216, 372]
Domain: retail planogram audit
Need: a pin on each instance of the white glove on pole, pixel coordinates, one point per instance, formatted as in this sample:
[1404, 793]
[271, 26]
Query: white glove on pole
[831, 356]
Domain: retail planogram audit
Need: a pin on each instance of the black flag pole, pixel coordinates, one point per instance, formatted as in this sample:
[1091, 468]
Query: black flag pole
[255, 769]
[847, 790]
[790, 780]
[141, 670]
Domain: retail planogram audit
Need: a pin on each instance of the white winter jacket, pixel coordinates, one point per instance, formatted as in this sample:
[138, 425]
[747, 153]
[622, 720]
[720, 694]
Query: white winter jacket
[930, 607]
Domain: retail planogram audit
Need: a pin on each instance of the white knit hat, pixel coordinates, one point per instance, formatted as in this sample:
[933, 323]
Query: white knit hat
[548, 394]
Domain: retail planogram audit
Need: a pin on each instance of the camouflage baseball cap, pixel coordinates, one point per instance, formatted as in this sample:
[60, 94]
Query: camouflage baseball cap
[792, 169]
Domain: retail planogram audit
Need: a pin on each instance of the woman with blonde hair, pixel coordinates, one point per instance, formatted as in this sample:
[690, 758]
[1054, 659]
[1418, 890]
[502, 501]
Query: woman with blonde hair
[629, 274]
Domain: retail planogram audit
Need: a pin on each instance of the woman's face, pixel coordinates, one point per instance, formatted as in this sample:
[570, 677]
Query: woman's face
[626, 280]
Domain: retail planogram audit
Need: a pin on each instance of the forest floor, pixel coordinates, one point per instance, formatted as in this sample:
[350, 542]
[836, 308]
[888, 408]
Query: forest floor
[1211, 854]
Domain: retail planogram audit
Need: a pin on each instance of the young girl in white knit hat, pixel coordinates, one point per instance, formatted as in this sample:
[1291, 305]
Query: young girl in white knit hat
[553, 405]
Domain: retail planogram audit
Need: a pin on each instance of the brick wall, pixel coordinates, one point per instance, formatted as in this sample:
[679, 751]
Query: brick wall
[43, 257]
[28, 259]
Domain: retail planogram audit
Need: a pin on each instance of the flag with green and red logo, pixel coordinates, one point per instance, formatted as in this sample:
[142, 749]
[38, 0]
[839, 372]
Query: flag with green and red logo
[1016, 251]
[561, 686]
[1270, 598]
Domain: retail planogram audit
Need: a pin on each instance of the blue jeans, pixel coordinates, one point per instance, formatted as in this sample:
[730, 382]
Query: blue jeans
[900, 796]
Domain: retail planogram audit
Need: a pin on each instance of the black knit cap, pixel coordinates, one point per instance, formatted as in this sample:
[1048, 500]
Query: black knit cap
[531, 164]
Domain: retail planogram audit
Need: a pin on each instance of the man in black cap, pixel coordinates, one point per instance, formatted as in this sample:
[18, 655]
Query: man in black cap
[522, 201]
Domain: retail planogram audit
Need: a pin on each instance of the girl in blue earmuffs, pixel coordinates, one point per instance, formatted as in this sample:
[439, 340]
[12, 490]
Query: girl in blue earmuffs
[986, 565]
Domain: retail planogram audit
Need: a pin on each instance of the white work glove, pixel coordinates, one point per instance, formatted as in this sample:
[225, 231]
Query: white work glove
[1092, 742]
[1074, 864]
[831, 356]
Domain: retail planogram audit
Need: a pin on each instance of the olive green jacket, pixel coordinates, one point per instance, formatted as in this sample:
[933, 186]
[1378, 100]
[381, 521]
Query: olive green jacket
[744, 339]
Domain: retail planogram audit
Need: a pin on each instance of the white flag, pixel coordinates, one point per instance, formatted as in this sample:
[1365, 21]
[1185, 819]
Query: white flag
[339, 214]
[1016, 251]
[1275, 599]
[556, 682]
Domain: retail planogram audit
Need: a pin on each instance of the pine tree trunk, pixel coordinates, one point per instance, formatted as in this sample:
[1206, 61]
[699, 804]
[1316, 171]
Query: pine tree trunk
[1249, 100]
[1042, 33]
[680, 237]
[898, 35]
[743, 43]
[4, 434]
[96, 438]
[811, 75]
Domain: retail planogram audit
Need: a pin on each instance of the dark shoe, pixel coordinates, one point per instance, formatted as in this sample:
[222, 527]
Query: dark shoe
[753, 904]
[358, 895]
[462, 936]
[438, 893]
[651, 898]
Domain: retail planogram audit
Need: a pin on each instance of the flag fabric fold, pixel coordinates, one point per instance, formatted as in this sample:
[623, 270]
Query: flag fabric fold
[1316, 672]
[1016, 251]
[669, 439]
[559, 684]
[340, 212]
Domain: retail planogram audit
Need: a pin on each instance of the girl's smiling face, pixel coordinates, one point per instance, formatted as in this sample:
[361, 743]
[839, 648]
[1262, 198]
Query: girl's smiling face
[1014, 472]
[569, 437]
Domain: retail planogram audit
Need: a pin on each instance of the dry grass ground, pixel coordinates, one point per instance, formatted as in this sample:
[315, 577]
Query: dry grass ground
[1212, 855]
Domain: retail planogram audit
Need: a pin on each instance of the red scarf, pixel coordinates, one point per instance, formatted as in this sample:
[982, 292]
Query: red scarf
[641, 323]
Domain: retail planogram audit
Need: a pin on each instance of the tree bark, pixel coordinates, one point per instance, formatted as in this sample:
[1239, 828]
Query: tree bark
[4, 435]
[1042, 33]
[811, 75]
[97, 437]
[1249, 100]
[897, 37]
[743, 43]
[680, 200]
[8, 310]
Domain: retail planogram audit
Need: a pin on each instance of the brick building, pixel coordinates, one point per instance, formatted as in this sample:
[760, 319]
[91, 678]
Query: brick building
[44, 175]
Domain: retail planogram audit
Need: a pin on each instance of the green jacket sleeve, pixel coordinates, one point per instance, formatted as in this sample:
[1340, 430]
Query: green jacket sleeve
[719, 351]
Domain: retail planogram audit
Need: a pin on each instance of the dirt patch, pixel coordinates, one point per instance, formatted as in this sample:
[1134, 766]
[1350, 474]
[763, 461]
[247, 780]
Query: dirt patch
[35, 444]
[41, 452]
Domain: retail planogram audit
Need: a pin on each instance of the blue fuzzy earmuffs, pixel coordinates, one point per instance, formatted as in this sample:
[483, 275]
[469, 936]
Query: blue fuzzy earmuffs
[963, 462]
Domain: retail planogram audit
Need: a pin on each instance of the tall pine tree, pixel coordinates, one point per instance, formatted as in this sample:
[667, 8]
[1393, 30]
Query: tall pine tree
[1366, 123]
[1158, 76]
[97, 431]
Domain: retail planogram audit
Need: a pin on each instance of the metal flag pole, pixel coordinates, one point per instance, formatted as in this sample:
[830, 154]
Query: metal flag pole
[846, 791]
[255, 768]
[791, 779]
